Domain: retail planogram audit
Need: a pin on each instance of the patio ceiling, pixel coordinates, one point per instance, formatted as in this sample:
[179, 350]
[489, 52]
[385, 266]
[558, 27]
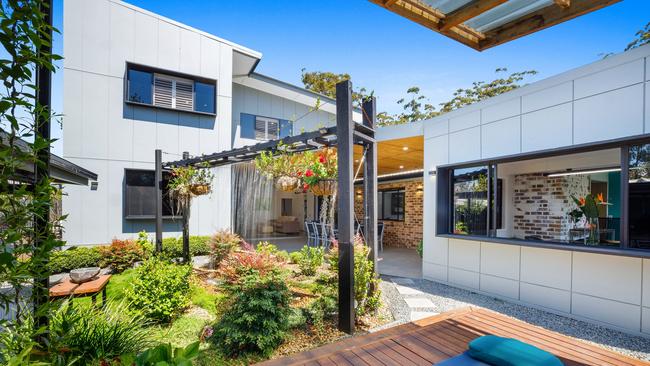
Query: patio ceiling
[396, 156]
[482, 24]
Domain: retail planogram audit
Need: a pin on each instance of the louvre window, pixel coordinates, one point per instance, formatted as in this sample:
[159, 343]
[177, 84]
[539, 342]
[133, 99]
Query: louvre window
[171, 92]
[264, 128]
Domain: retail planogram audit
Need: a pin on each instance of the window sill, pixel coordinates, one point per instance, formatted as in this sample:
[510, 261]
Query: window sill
[638, 253]
[169, 109]
[151, 217]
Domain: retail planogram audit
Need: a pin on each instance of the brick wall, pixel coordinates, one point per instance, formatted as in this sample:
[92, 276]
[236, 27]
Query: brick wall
[541, 204]
[402, 234]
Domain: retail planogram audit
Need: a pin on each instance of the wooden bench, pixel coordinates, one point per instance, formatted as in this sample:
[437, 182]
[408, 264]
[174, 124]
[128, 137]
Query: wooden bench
[91, 288]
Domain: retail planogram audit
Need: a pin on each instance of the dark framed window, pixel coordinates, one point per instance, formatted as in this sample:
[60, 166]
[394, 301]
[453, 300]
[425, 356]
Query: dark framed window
[541, 197]
[263, 128]
[391, 204]
[140, 195]
[158, 88]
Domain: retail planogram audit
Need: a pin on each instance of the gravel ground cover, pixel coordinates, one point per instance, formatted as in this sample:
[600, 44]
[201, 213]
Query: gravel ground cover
[444, 298]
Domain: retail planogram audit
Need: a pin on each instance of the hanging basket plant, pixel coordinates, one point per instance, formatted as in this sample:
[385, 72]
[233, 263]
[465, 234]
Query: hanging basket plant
[187, 182]
[281, 166]
[287, 183]
[321, 172]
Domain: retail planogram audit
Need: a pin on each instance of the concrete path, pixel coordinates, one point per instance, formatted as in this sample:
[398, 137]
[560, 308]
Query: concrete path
[400, 262]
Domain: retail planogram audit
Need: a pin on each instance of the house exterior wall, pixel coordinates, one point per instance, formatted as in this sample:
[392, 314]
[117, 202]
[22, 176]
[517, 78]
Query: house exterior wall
[605, 100]
[107, 135]
[400, 234]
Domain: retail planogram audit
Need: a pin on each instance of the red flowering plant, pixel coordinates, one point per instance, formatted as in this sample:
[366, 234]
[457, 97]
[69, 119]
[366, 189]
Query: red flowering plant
[319, 165]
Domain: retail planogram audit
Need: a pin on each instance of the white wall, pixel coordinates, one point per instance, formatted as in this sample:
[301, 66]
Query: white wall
[105, 135]
[601, 101]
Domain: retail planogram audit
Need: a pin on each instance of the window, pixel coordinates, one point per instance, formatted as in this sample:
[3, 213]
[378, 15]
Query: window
[390, 204]
[639, 196]
[140, 194]
[145, 86]
[264, 128]
[287, 207]
[572, 199]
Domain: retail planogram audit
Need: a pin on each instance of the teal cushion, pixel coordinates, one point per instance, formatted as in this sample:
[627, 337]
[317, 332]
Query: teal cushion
[501, 351]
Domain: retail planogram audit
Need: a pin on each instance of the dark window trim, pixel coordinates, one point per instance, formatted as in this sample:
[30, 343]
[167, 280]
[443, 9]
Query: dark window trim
[194, 78]
[140, 217]
[398, 189]
[268, 117]
[444, 193]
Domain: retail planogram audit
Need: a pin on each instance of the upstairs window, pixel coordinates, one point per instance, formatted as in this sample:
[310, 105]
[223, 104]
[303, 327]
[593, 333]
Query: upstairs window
[264, 128]
[145, 86]
[140, 194]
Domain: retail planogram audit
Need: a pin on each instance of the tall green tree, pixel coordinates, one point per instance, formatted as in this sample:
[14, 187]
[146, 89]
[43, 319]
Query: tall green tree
[642, 38]
[324, 82]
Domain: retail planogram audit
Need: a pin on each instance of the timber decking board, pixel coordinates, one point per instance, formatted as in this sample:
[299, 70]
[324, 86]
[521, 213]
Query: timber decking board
[437, 338]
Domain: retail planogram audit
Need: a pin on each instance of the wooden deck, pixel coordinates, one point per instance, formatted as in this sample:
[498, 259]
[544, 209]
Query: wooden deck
[432, 340]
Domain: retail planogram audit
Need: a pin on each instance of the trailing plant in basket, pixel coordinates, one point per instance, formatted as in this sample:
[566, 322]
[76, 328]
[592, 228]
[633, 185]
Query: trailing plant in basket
[282, 166]
[190, 181]
[319, 166]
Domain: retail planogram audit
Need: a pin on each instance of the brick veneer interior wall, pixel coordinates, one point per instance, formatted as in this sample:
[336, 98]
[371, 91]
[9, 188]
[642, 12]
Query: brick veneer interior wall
[401, 234]
[541, 204]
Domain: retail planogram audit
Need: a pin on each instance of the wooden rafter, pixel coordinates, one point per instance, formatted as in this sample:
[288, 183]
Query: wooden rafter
[468, 11]
[453, 24]
[540, 19]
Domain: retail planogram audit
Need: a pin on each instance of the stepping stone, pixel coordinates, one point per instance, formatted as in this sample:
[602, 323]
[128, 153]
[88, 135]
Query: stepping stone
[417, 315]
[419, 302]
[403, 281]
[404, 290]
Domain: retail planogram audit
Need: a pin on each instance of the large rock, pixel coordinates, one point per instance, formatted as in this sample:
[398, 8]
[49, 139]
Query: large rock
[81, 275]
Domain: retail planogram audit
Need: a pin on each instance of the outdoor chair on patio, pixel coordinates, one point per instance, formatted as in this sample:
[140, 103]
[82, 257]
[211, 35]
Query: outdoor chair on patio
[311, 231]
[380, 236]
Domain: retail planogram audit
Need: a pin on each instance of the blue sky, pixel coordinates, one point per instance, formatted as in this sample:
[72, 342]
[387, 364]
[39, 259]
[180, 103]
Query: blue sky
[387, 53]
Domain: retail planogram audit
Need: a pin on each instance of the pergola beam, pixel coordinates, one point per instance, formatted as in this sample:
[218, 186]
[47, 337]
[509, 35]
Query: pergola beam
[540, 19]
[467, 12]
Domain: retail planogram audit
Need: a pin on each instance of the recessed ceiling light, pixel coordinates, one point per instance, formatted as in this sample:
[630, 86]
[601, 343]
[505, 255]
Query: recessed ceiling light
[356, 160]
[401, 166]
[405, 148]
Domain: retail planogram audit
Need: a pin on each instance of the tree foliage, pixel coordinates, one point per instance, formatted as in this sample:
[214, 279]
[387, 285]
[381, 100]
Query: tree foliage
[23, 30]
[642, 38]
[416, 106]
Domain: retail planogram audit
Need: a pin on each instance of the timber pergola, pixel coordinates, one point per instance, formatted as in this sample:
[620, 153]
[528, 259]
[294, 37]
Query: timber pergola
[482, 24]
[343, 136]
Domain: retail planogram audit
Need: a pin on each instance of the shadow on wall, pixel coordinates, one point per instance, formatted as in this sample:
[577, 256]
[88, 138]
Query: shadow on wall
[157, 115]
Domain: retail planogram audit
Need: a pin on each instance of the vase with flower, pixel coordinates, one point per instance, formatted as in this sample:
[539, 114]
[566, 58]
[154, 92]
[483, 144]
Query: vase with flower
[588, 205]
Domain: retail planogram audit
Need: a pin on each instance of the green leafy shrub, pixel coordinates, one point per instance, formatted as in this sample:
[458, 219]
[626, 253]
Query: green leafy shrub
[272, 250]
[366, 285]
[160, 290]
[163, 355]
[295, 257]
[75, 257]
[282, 256]
[173, 247]
[90, 333]
[121, 254]
[222, 243]
[256, 318]
[311, 258]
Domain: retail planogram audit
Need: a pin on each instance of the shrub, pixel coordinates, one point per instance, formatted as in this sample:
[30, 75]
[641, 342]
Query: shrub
[91, 333]
[75, 257]
[282, 256]
[222, 243]
[420, 248]
[160, 290]
[272, 250]
[295, 257]
[173, 247]
[257, 316]
[121, 254]
[163, 354]
[310, 259]
[366, 285]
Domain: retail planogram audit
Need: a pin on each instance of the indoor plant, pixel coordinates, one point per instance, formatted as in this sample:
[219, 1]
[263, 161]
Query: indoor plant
[589, 207]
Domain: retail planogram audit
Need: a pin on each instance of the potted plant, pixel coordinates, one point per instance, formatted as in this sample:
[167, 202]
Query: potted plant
[280, 166]
[589, 207]
[189, 181]
[320, 171]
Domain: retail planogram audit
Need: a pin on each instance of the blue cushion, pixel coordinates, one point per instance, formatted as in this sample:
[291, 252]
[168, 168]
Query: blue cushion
[462, 360]
[501, 351]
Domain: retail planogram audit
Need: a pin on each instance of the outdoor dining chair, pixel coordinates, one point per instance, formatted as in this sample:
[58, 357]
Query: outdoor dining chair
[312, 236]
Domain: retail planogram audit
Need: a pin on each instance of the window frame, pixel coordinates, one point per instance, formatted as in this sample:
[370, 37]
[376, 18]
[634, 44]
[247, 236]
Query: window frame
[125, 197]
[380, 213]
[444, 195]
[171, 75]
[266, 121]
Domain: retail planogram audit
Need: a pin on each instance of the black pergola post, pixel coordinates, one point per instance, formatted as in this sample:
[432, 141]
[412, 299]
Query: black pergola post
[345, 142]
[186, 222]
[42, 170]
[159, 198]
[369, 108]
